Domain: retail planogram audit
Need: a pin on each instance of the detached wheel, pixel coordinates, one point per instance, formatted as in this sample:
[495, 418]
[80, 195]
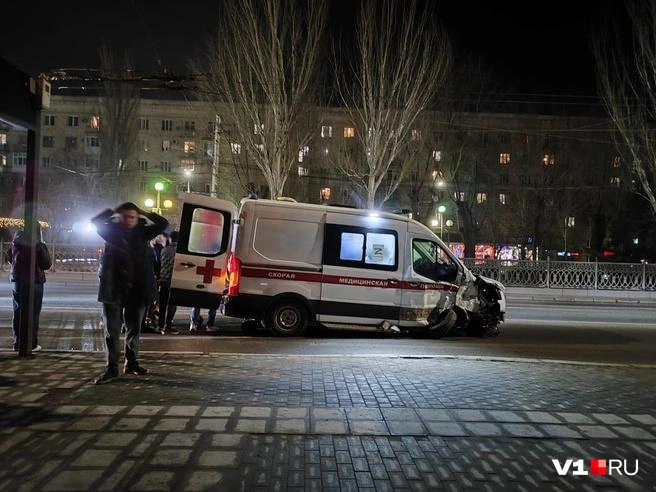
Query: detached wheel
[288, 318]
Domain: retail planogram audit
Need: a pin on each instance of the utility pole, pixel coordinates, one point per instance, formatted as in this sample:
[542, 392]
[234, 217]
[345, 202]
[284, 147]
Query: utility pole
[215, 157]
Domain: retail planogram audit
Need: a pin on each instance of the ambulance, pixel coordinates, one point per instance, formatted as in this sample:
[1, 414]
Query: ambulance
[292, 265]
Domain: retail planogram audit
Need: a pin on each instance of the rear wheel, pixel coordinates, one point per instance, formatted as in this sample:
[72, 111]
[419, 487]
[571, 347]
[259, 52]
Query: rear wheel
[287, 318]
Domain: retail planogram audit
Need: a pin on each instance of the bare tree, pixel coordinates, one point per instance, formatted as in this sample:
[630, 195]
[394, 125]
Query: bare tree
[260, 75]
[401, 58]
[625, 55]
[119, 109]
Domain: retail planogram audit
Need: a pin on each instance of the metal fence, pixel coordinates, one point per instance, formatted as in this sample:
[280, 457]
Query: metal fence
[568, 274]
[511, 273]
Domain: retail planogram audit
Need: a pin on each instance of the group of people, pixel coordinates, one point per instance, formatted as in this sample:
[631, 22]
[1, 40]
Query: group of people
[133, 277]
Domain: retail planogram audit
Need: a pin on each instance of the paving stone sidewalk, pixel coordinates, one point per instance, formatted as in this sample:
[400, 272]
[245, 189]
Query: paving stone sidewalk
[321, 423]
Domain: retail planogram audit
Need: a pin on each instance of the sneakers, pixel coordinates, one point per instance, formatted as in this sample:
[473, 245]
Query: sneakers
[106, 377]
[169, 330]
[135, 369]
[37, 348]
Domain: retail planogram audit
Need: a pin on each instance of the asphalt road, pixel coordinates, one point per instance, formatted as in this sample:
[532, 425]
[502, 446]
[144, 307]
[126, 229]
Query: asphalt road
[613, 333]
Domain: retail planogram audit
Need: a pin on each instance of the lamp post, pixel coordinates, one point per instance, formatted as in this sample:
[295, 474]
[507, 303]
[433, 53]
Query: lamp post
[440, 210]
[187, 172]
[159, 186]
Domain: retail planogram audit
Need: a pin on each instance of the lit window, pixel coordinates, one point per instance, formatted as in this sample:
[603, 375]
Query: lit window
[189, 147]
[615, 180]
[3, 139]
[166, 145]
[303, 171]
[165, 166]
[571, 221]
[49, 120]
[504, 158]
[349, 132]
[503, 198]
[260, 148]
[143, 124]
[459, 196]
[324, 194]
[208, 148]
[305, 150]
[92, 141]
[3, 160]
[300, 156]
[258, 129]
[415, 135]
[143, 165]
[236, 148]
[437, 155]
[187, 164]
[481, 197]
[72, 121]
[327, 132]
[616, 161]
[94, 122]
[549, 160]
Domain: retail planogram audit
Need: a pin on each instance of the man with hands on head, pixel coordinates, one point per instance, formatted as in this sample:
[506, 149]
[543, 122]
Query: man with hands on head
[127, 281]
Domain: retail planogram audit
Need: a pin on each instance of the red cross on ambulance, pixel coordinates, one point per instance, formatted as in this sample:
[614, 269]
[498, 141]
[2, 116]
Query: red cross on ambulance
[208, 271]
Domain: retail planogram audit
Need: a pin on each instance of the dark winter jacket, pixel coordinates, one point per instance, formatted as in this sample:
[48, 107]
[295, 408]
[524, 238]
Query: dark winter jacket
[20, 260]
[126, 270]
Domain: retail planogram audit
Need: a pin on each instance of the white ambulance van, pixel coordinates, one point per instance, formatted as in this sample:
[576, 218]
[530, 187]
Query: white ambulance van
[292, 265]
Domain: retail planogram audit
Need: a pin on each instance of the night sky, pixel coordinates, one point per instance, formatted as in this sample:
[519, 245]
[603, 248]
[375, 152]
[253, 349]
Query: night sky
[538, 47]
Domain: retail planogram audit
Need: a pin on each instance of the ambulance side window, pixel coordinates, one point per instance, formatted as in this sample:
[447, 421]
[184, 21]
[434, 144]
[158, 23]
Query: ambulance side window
[359, 247]
[204, 231]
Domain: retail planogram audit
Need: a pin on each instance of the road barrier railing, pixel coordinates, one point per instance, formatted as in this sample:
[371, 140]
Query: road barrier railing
[568, 274]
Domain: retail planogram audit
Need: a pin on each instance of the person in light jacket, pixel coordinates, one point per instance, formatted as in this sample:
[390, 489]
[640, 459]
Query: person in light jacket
[127, 281]
[20, 276]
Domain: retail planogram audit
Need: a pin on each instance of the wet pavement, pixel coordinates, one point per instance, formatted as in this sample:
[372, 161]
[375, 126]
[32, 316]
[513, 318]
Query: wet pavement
[245, 422]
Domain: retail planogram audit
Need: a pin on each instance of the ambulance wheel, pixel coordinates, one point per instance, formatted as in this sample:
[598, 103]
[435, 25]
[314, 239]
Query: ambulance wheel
[287, 318]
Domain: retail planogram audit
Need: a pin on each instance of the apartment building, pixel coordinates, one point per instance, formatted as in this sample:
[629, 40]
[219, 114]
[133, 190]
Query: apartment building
[502, 178]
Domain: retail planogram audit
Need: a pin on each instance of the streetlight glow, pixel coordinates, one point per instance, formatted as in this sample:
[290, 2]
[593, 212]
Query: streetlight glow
[168, 203]
[159, 186]
[149, 202]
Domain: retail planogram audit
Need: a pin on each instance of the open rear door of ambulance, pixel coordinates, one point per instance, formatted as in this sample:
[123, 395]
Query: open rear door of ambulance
[199, 270]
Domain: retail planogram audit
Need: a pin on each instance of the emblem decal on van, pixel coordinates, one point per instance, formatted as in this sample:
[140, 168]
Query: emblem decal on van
[208, 271]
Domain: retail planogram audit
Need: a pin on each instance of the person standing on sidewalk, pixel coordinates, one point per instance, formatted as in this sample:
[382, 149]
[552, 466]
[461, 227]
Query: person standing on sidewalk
[166, 309]
[127, 281]
[20, 276]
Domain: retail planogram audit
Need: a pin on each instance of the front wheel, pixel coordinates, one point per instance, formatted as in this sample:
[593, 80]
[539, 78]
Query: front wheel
[288, 318]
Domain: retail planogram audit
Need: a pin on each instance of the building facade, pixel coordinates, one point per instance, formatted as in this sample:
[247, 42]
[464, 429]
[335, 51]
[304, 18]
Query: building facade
[539, 181]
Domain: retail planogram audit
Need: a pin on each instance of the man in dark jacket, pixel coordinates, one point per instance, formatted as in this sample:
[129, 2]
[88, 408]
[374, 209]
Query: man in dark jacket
[127, 281]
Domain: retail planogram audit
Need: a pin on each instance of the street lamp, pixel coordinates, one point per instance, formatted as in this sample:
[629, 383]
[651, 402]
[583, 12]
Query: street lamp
[159, 186]
[440, 210]
[187, 172]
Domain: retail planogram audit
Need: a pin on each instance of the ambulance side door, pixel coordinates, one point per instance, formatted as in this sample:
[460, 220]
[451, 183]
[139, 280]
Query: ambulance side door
[199, 270]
